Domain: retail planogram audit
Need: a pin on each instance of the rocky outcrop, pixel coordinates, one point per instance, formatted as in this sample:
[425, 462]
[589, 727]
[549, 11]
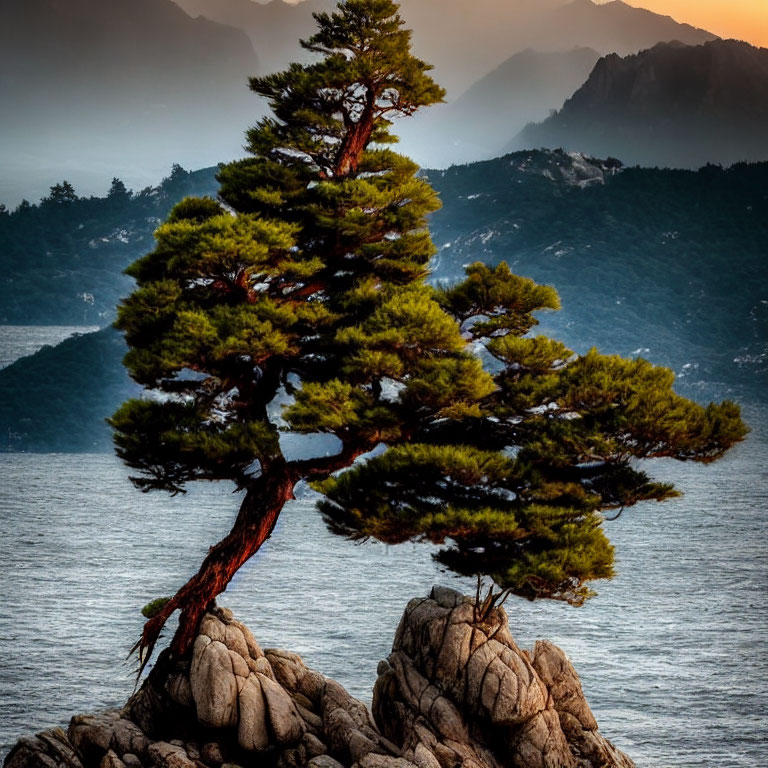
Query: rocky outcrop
[456, 691]
[672, 105]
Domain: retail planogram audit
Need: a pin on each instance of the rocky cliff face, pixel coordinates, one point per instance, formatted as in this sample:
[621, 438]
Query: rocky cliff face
[456, 691]
[672, 105]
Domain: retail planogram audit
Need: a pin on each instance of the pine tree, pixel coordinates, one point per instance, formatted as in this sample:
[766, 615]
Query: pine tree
[61, 194]
[306, 279]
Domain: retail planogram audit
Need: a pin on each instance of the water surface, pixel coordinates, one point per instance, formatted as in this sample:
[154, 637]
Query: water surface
[671, 653]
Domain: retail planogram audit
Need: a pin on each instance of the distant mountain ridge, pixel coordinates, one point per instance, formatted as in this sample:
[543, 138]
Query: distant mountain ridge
[126, 43]
[126, 85]
[476, 126]
[667, 265]
[613, 27]
[672, 105]
[129, 86]
[463, 40]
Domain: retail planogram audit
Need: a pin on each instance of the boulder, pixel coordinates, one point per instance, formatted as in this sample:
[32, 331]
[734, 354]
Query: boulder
[49, 749]
[455, 692]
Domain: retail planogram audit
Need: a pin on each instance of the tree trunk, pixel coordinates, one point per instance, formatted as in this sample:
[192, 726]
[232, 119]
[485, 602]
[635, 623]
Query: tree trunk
[254, 524]
[355, 141]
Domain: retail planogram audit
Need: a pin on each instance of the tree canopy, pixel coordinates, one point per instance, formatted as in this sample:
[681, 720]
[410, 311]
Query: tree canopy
[306, 280]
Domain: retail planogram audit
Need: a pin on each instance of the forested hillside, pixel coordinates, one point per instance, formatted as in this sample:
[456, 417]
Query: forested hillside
[668, 265]
[61, 260]
[672, 265]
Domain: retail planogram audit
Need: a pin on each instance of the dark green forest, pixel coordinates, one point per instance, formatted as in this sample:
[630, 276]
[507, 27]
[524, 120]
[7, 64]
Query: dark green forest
[670, 265]
[57, 399]
[61, 260]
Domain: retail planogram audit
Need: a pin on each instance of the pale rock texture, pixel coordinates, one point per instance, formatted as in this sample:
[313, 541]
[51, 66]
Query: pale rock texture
[456, 692]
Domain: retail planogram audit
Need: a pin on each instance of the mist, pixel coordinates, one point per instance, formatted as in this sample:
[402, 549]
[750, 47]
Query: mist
[127, 88]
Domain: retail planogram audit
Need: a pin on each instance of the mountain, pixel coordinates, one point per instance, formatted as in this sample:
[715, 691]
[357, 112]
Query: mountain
[274, 28]
[669, 265]
[477, 125]
[502, 64]
[121, 85]
[613, 27]
[127, 86]
[464, 41]
[81, 246]
[672, 105]
[57, 399]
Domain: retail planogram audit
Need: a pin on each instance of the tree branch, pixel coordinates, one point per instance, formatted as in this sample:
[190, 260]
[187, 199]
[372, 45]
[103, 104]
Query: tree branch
[322, 467]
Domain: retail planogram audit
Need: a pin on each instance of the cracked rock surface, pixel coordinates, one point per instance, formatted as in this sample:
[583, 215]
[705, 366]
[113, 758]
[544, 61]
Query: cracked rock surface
[456, 692]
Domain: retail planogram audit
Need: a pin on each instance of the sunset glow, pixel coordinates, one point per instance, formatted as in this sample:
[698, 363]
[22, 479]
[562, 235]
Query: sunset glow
[740, 19]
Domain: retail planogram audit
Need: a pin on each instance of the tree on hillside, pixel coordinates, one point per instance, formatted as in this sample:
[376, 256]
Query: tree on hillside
[61, 194]
[307, 281]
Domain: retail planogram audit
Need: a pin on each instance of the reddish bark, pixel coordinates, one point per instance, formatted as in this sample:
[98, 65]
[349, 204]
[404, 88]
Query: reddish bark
[255, 522]
[355, 141]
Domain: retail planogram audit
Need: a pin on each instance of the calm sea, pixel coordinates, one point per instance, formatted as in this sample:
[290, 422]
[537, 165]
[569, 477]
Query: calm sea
[671, 653]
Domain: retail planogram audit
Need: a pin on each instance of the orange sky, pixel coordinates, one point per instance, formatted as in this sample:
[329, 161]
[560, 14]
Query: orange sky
[742, 19]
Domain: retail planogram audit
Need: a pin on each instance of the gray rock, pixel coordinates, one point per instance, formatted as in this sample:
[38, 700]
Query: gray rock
[235, 641]
[91, 735]
[162, 754]
[212, 628]
[284, 719]
[127, 737]
[111, 760]
[446, 662]
[324, 761]
[213, 683]
[558, 675]
[239, 664]
[49, 749]
[260, 666]
[373, 760]
[254, 650]
[212, 755]
[456, 692]
[313, 745]
[252, 730]
[179, 690]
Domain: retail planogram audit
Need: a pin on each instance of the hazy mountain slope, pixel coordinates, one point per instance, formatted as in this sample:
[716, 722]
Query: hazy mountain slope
[57, 399]
[91, 48]
[463, 40]
[486, 47]
[76, 250]
[127, 86]
[274, 28]
[613, 27]
[671, 105]
[124, 85]
[526, 87]
[669, 265]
